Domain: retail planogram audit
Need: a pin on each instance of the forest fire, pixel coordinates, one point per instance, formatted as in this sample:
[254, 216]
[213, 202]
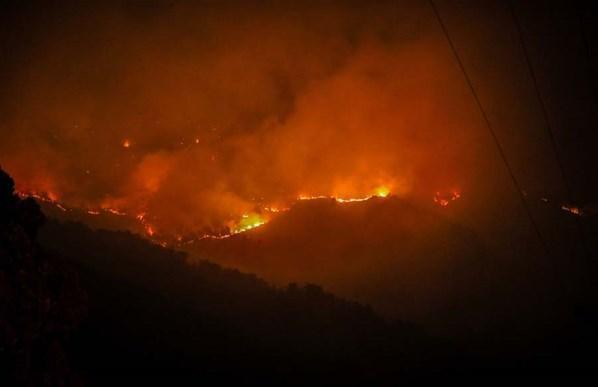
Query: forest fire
[245, 222]
[572, 210]
[444, 199]
[200, 164]
[249, 220]
[46, 197]
[345, 191]
[379, 192]
[382, 191]
[149, 230]
[254, 220]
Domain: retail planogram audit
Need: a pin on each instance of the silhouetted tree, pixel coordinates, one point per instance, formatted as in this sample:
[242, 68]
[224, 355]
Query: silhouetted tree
[41, 302]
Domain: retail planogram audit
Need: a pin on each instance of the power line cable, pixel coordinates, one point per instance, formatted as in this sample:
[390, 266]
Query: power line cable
[547, 125]
[499, 147]
[588, 55]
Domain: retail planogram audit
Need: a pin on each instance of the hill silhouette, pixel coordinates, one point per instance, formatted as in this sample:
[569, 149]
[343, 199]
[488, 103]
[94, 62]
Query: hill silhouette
[403, 260]
[82, 306]
[151, 313]
[41, 300]
[111, 306]
[408, 263]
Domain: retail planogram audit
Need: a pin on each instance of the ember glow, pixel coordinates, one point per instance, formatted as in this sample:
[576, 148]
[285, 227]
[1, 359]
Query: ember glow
[198, 133]
[444, 199]
[406, 182]
[248, 222]
[380, 192]
[572, 210]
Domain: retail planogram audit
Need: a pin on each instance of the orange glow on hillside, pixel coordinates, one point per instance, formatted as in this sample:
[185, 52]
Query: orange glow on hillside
[444, 199]
[379, 192]
[572, 210]
[382, 191]
[149, 230]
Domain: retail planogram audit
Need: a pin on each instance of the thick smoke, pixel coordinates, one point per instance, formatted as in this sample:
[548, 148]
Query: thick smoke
[226, 107]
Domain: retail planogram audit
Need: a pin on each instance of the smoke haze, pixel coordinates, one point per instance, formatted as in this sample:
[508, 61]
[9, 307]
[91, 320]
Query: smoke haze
[223, 107]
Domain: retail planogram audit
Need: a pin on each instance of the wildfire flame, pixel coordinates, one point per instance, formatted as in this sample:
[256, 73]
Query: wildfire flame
[48, 197]
[572, 210]
[248, 222]
[149, 230]
[382, 191]
[115, 212]
[444, 199]
[379, 192]
[276, 209]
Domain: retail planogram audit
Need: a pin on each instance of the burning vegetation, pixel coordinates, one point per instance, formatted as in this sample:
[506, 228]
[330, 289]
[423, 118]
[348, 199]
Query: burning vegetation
[444, 199]
[207, 138]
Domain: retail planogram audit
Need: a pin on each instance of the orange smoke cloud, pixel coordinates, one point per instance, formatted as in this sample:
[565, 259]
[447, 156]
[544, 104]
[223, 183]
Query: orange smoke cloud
[205, 114]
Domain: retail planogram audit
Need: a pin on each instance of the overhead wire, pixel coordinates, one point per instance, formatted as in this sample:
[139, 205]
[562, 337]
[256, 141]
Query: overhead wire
[488, 124]
[548, 129]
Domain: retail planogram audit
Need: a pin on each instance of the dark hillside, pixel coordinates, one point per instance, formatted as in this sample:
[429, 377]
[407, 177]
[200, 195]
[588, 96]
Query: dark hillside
[152, 313]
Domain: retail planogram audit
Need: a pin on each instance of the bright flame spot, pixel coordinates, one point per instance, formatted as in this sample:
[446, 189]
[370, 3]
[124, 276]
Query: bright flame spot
[126, 143]
[52, 196]
[275, 209]
[149, 230]
[572, 210]
[382, 191]
[444, 199]
[248, 222]
[351, 200]
[307, 197]
[115, 212]
[60, 206]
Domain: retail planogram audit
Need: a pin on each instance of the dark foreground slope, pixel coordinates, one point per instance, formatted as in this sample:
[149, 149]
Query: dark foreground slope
[150, 314]
[97, 307]
[41, 300]
[405, 261]
[408, 263]
[141, 314]
[153, 315]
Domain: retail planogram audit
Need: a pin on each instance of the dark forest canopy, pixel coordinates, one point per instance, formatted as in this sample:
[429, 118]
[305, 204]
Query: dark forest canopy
[142, 312]
[165, 316]
[122, 307]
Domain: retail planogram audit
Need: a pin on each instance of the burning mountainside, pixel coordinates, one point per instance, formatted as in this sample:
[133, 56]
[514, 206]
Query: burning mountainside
[379, 250]
[196, 116]
[147, 224]
[230, 132]
[435, 161]
[445, 199]
[150, 226]
[199, 133]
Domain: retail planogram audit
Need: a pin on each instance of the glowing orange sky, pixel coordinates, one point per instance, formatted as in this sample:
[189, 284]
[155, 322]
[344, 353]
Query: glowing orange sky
[196, 115]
